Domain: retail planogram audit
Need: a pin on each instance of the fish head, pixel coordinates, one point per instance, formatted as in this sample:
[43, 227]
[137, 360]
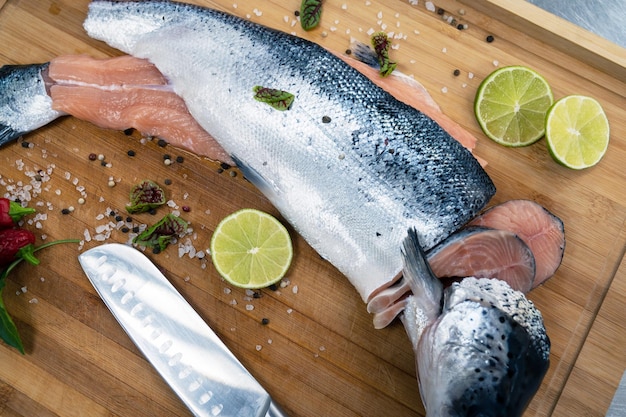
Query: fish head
[485, 355]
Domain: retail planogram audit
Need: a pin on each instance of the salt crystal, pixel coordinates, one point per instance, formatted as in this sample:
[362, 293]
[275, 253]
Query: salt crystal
[24, 289]
[249, 307]
[33, 301]
[430, 6]
[289, 310]
[444, 89]
[295, 289]
[258, 347]
[269, 341]
[102, 228]
[227, 290]
[87, 235]
[495, 63]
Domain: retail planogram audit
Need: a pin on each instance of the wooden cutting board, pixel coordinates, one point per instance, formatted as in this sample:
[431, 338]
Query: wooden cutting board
[319, 354]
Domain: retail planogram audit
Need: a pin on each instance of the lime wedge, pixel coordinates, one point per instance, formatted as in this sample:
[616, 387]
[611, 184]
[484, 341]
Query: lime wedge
[577, 131]
[511, 105]
[251, 249]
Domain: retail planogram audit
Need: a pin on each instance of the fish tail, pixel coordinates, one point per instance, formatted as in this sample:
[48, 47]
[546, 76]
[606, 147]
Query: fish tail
[24, 101]
[424, 306]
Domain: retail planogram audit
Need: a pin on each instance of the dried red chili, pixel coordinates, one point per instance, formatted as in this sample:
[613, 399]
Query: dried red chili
[17, 244]
[11, 212]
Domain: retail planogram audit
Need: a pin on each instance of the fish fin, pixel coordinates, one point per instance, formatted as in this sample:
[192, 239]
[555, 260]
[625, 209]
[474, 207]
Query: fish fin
[423, 282]
[424, 306]
[8, 134]
[361, 52]
[254, 177]
[24, 102]
[388, 303]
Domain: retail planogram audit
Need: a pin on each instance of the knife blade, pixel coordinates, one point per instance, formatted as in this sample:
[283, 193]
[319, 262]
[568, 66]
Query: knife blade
[618, 404]
[195, 363]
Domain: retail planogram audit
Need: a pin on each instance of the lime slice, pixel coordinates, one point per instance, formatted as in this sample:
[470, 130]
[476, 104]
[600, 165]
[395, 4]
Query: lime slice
[511, 105]
[251, 249]
[577, 131]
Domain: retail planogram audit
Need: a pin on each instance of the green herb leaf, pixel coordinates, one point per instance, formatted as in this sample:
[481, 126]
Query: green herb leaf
[8, 330]
[310, 13]
[161, 233]
[278, 99]
[145, 196]
[381, 44]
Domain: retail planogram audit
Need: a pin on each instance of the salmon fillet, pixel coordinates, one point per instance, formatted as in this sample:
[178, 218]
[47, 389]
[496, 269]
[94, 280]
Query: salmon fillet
[127, 92]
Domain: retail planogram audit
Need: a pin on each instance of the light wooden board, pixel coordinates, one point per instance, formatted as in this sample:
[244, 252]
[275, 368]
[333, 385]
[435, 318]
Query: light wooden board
[319, 354]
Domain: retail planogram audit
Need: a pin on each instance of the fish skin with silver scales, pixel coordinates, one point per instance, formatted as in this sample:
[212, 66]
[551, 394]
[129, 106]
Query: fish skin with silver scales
[351, 185]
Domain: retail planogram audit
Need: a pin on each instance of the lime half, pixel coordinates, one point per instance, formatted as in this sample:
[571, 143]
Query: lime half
[577, 131]
[251, 249]
[511, 105]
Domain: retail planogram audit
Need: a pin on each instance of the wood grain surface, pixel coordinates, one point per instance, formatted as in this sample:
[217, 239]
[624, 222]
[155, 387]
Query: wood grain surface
[319, 355]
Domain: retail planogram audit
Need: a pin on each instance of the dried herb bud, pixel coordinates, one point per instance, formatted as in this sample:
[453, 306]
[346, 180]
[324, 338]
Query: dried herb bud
[381, 44]
[145, 196]
[161, 233]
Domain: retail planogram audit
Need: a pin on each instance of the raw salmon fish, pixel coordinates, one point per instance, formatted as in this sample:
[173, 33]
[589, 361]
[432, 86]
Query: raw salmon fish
[481, 347]
[348, 165]
[542, 231]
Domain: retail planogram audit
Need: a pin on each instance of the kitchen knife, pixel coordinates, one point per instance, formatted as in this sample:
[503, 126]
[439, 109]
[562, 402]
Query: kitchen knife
[618, 404]
[173, 337]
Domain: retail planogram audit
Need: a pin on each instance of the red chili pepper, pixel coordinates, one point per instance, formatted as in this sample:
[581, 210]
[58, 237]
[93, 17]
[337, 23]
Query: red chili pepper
[16, 244]
[11, 212]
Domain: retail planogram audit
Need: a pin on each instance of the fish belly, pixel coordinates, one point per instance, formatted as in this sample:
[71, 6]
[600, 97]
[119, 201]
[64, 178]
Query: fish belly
[348, 166]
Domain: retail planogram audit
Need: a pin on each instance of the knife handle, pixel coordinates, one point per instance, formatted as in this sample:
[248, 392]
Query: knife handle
[275, 410]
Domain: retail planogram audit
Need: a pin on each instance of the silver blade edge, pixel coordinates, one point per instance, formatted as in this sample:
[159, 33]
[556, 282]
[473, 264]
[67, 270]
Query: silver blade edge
[172, 336]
